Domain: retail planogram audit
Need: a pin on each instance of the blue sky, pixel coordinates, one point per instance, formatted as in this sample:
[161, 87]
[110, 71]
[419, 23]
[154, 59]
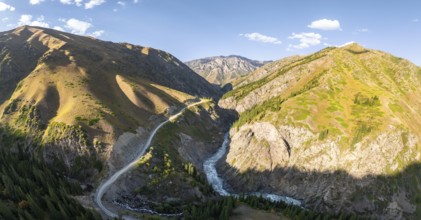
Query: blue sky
[258, 29]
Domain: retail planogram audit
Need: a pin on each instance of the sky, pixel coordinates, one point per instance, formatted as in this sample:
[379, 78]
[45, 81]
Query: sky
[257, 29]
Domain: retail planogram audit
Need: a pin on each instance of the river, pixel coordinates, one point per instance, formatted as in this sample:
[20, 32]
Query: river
[209, 166]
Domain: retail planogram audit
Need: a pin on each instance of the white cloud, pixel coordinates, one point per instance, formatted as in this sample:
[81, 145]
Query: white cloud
[121, 3]
[35, 2]
[346, 44]
[261, 38]
[97, 33]
[325, 24]
[135, 1]
[306, 40]
[363, 30]
[58, 28]
[6, 7]
[72, 2]
[415, 20]
[93, 3]
[4, 19]
[77, 26]
[27, 20]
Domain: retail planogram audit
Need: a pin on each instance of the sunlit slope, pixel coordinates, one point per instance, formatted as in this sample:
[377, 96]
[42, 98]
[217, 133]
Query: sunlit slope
[347, 109]
[81, 93]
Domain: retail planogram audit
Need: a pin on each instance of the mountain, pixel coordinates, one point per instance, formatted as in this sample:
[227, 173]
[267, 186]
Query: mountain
[224, 69]
[74, 96]
[339, 129]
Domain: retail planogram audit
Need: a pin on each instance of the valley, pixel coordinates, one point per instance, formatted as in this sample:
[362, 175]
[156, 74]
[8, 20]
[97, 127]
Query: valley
[131, 132]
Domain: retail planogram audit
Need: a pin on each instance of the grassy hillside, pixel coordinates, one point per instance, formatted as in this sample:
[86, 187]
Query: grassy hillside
[347, 109]
[74, 96]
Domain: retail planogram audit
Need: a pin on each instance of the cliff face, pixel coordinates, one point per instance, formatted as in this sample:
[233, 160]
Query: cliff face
[222, 70]
[74, 96]
[338, 129]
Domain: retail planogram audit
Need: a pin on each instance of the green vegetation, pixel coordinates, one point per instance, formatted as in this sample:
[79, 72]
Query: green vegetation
[259, 111]
[57, 131]
[12, 107]
[362, 130]
[243, 91]
[360, 99]
[323, 134]
[395, 108]
[213, 209]
[222, 208]
[168, 174]
[29, 189]
[310, 85]
[89, 122]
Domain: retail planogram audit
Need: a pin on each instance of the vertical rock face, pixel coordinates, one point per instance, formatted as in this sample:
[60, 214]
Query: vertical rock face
[222, 70]
[338, 129]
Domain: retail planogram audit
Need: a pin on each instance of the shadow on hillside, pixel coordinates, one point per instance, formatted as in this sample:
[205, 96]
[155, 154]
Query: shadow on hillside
[380, 196]
[357, 52]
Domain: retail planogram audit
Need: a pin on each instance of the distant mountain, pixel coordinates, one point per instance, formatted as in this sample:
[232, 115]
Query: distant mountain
[339, 129]
[224, 69]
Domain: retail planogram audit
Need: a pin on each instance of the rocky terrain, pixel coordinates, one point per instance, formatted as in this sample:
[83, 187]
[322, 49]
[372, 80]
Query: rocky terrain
[338, 129]
[221, 70]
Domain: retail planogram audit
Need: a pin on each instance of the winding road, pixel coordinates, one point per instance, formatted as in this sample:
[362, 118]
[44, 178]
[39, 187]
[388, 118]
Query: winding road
[106, 184]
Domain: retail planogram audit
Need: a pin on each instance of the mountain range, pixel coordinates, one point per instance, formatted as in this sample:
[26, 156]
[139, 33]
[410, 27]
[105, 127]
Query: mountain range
[221, 70]
[338, 130]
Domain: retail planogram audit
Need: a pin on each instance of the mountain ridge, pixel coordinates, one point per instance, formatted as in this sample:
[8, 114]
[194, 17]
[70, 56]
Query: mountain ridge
[75, 95]
[224, 69]
[351, 109]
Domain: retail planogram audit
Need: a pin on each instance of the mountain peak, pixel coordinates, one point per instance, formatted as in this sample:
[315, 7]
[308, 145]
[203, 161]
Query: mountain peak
[354, 47]
[224, 69]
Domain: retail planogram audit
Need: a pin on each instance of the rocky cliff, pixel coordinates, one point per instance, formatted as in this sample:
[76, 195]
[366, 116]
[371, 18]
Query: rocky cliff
[224, 69]
[338, 129]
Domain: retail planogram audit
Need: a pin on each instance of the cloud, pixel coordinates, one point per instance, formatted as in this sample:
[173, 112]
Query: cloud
[325, 24]
[346, 44]
[363, 30]
[4, 19]
[415, 20]
[72, 2]
[135, 1]
[77, 26]
[27, 20]
[261, 38]
[58, 28]
[35, 2]
[6, 7]
[121, 3]
[93, 3]
[306, 40]
[97, 33]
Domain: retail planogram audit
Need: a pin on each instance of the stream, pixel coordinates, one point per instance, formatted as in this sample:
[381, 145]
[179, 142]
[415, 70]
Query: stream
[209, 166]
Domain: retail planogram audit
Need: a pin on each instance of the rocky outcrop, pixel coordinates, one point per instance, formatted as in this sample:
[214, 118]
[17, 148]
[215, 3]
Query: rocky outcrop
[224, 69]
[263, 157]
[335, 129]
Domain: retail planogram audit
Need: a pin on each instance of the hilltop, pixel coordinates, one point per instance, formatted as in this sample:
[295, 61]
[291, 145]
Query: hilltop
[74, 96]
[339, 128]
